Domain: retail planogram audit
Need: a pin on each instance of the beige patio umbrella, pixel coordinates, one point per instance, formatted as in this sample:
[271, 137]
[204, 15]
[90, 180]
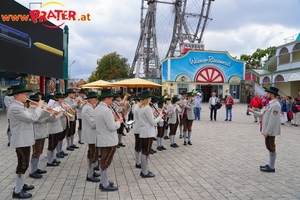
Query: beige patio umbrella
[135, 82]
[97, 84]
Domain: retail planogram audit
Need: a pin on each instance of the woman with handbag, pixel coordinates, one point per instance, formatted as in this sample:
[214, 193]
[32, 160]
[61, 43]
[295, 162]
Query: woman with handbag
[228, 106]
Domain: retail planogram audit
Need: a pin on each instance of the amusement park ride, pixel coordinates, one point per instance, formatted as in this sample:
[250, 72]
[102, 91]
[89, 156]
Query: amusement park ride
[184, 20]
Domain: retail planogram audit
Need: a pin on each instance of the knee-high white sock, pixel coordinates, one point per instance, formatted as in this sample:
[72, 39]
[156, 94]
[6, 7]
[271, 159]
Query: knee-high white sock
[19, 183]
[49, 156]
[53, 155]
[69, 141]
[171, 139]
[57, 147]
[144, 164]
[33, 165]
[272, 156]
[189, 136]
[90, 168]
[137, 157]
[184, 136]
[120, 138]
[180, 130]
[104, 178]
[165, 132]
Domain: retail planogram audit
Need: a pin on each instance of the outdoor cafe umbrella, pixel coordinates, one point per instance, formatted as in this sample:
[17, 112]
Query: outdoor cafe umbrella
[135, 82]
[97, 84]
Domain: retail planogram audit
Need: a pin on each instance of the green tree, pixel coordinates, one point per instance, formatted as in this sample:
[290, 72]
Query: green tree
[110, 66]
[259, 57]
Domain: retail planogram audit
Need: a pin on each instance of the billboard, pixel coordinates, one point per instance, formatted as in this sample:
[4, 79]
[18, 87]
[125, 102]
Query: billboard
[27, 47]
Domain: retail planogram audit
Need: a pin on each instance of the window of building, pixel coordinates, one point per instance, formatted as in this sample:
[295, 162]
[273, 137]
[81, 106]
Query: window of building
[279, 78]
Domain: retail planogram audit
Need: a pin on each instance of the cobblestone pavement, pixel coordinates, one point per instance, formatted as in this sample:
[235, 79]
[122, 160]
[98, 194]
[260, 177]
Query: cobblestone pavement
[222, 163]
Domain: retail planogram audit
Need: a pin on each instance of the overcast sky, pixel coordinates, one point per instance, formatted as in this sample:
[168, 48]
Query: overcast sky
[238, 26]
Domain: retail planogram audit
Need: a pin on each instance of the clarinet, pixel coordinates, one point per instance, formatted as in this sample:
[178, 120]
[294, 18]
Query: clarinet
[126, 128]
[166, 123]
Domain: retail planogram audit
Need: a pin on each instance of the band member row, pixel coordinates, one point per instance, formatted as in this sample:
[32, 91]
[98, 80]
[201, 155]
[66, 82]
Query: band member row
[89, 135]
[40, 134]
[107, 140]
[21, 123]
[188, 118]
[173, 111]
[72, 103]
[147, 125]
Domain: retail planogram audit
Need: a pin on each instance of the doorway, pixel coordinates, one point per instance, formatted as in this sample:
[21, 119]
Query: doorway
[207, 90]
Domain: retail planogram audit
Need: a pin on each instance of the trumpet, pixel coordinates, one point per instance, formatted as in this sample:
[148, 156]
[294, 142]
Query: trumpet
[126, 128]
[70, 112]
[163, 111]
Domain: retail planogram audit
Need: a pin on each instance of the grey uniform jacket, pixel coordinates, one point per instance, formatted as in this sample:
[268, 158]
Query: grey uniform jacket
[79, 108]
[190, 110]
[136, 125]
[21, 124]
[271, 119]
[105, 126]
[40, 128]
[54, 124]
[89, 133]
[173, 112]
[147, 122]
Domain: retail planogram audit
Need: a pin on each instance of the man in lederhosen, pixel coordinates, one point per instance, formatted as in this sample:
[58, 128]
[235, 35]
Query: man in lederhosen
[72, 103]
[107, 138]
[89, 135]
[40, 133]
[21, 123]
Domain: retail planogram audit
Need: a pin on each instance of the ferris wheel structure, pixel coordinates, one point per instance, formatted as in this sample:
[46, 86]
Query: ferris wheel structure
[166, 25]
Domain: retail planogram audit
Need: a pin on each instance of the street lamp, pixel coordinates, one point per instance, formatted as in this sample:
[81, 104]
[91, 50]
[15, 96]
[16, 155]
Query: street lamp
[70, 70]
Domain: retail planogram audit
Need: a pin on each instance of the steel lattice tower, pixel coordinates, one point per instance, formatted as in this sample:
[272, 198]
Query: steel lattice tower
[146, 56]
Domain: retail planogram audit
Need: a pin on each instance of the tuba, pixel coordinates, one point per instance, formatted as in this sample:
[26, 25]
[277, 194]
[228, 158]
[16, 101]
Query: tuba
[167, 96]
[124, 102]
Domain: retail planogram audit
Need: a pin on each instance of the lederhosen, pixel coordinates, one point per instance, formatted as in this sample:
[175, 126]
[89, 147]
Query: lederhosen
[146, 144]
[93, 153]
[23, 155]
[107, 154]
[187, 124]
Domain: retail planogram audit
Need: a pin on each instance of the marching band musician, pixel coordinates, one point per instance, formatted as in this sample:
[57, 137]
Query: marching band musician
[131, 103]
[89, 135]
[59, 97]
[161, 126]
[71, 120]
[40, 133]
[147, 130]
[182, 99]
[81, 96]
[120, 109]
[188, 117]
[136, 131]
[21, 123]
[7, 102]
[54, 130]
[107, 138]
[173, 113]
[167, 103]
